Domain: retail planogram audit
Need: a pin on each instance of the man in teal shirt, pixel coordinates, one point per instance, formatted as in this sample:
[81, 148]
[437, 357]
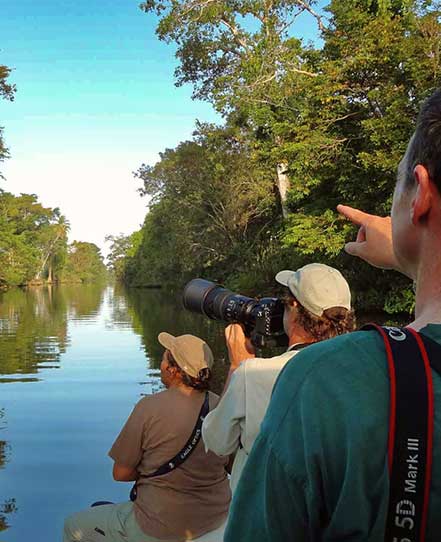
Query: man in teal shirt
[318, 470]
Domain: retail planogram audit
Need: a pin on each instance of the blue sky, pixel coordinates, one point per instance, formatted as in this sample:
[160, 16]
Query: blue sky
[95, 99]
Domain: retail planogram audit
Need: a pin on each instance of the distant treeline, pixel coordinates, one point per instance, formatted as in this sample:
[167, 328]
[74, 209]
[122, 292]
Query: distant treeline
[307, 126]
[34, 247]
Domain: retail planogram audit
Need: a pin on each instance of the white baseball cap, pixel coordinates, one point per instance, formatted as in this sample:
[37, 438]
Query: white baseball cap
[317, 287]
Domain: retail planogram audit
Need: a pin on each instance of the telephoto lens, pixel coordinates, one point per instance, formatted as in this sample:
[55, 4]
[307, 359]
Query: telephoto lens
[218, 303]
[262, 318]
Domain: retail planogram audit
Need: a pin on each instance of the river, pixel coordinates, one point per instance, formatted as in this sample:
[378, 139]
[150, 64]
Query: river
[74, 360]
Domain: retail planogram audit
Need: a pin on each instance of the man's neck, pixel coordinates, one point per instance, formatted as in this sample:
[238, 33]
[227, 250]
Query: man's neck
[428, 291]
[299, 336]
[427, 307]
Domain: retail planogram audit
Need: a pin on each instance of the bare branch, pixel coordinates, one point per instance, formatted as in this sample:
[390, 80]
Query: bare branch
[344, 117]
[263, 81]
[291, 66]
[234, 30]
[304, 72]
[318, 18]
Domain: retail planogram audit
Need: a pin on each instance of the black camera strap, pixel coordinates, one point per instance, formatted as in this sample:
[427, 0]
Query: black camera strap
[410, 430]
[184, 453]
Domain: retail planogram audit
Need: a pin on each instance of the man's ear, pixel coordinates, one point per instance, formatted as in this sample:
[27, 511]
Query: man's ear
[423, 198]
[291, 305]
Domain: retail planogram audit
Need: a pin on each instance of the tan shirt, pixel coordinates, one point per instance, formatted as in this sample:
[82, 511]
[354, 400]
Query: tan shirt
[194, 498]
[235, 423]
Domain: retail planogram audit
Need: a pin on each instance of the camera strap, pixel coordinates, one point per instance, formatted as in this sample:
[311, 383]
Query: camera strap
[184, 453]
[410, 430]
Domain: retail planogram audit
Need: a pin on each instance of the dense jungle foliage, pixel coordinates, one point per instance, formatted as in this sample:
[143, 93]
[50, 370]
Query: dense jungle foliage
[306, 126]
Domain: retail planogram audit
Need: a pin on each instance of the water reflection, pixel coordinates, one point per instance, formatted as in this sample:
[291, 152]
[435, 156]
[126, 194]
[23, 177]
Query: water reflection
[120, 316]
[33, 325]
[84, 300]
[8, 505]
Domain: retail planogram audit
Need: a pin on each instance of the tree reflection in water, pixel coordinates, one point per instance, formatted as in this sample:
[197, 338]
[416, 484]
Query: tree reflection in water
[33, 324]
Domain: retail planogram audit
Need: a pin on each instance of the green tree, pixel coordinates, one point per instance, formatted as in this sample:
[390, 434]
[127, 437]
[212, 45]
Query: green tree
[239, 56]
[53, 249]
[377, 63]
[212, 206]
[84, 263]
[30, 238]
[332, 120]
[123, 249]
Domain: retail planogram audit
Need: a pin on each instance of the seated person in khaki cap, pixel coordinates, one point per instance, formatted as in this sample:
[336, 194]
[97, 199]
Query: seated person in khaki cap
[181, 504]
[317, 307]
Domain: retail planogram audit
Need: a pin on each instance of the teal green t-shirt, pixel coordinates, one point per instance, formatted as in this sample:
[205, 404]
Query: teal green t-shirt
[318, 470]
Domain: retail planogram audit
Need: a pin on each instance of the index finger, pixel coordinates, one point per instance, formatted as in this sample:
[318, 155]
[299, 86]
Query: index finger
[354, 215]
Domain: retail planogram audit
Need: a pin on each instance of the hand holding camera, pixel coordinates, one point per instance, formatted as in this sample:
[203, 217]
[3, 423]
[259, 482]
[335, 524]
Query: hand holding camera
[239, 345]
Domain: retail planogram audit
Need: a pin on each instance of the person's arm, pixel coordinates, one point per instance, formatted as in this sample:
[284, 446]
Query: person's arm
[239, 348]
[374, 239]
[127, 449]
[124, 474]
[221, 429]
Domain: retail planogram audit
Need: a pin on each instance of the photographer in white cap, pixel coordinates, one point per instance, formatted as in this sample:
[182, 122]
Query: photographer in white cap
[317, 307]
[181, 491]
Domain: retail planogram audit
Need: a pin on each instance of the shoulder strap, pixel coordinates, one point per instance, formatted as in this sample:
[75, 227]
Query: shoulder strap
[410, 433]
[183, 454]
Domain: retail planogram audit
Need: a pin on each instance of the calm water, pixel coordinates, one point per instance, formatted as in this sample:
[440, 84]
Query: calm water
[73, 362]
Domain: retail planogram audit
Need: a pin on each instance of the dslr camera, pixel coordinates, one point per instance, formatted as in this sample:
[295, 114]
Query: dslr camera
[262, 318]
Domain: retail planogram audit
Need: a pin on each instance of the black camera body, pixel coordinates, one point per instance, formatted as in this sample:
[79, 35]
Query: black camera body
[262, 318]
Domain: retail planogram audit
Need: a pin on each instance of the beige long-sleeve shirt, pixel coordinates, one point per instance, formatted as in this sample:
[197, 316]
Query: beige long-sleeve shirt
[234, 424]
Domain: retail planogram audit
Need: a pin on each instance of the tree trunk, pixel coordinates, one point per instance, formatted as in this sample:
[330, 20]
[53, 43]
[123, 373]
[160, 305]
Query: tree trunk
[48, 255]
[283, 185]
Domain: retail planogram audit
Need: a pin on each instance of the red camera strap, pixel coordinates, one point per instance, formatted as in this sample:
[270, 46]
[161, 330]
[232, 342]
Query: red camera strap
[410, 433]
